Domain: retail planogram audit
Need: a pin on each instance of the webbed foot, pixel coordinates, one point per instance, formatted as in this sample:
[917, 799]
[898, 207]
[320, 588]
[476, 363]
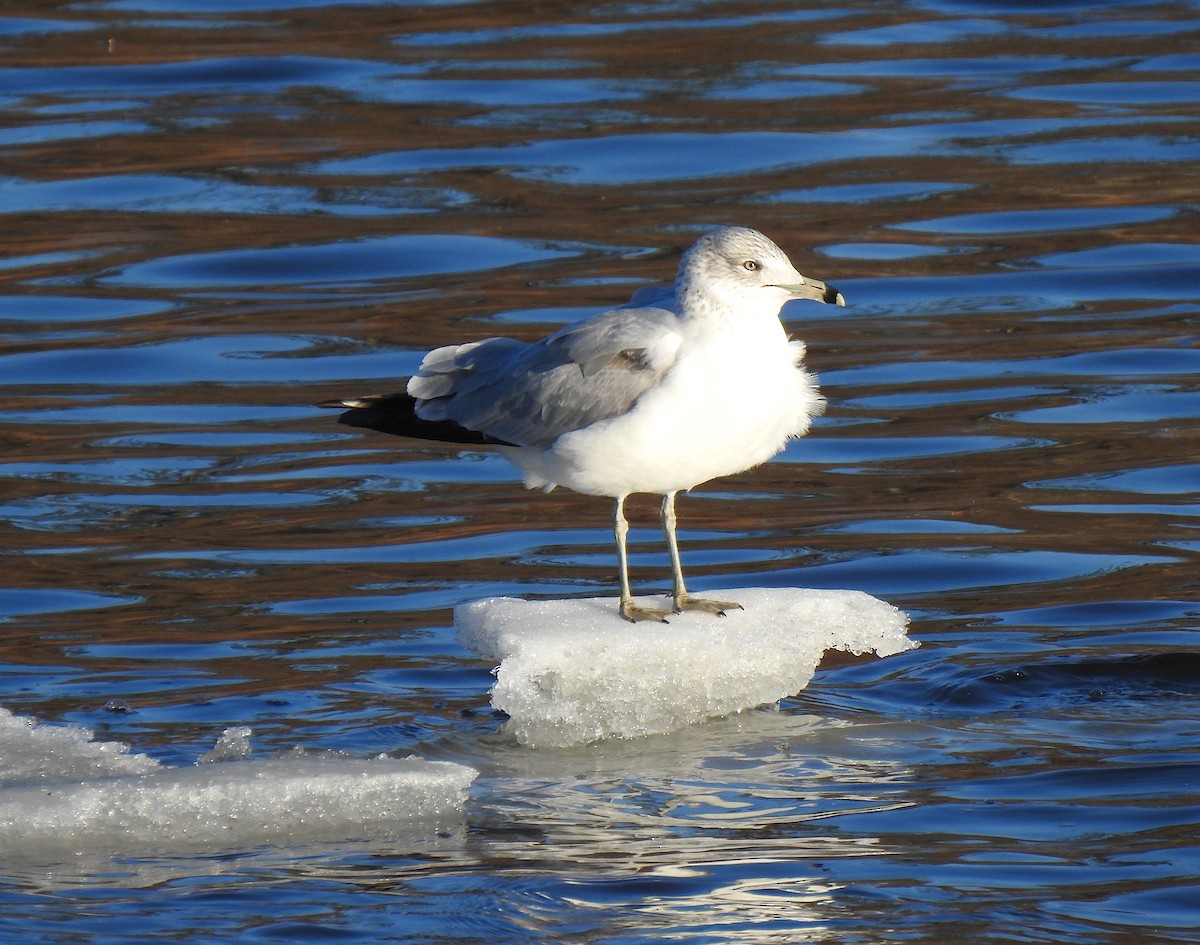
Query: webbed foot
[717, 607]
[634, 612]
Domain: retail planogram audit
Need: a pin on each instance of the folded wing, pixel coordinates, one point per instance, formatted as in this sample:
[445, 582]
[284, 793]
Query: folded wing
[531, 394]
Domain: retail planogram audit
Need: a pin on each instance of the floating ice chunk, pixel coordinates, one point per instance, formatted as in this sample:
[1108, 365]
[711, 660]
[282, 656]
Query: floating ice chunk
[238, 804]
[76, 795]
[32, 752]
[233, 745]
[572, 671]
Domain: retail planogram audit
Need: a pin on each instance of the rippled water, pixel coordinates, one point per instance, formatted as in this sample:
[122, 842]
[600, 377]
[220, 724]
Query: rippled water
[217, 213]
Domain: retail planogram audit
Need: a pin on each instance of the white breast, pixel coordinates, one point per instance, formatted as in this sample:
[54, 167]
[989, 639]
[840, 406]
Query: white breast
[726, 405]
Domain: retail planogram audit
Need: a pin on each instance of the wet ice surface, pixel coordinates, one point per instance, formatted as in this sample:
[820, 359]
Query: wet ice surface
[217, 214]
[64, 795]
[572, 672]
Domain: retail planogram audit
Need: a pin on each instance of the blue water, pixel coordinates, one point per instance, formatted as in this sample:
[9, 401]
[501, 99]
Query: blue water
[216, 214]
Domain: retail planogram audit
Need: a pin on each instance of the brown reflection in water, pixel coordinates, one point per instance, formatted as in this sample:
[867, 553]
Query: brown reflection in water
[277, 139]
[270, 139]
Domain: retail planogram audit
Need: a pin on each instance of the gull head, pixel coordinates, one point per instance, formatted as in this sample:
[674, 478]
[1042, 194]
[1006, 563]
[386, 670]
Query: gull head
[736, 267]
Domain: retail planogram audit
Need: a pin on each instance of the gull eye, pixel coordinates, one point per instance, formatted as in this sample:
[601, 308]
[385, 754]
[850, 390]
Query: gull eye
[751, 265]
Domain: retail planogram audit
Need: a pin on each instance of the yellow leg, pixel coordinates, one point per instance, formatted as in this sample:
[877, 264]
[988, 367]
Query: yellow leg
[629, 610]
[684, 600]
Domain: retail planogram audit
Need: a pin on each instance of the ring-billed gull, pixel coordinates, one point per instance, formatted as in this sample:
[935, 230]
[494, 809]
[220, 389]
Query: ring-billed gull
[638, 399]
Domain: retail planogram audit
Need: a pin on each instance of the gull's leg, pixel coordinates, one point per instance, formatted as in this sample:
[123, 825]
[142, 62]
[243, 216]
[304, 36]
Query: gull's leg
[629, 610]
[684, 600]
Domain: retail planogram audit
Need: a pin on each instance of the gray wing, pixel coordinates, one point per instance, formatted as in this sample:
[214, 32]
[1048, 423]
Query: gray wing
[531, 394]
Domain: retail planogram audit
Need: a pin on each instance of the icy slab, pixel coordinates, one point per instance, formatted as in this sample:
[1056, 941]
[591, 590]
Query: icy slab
[234, 805]
[30, 751]
[62, 791]
[573, 672]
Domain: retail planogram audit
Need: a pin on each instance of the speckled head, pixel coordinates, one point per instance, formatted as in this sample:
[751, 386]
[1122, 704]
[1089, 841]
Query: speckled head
[736, 267]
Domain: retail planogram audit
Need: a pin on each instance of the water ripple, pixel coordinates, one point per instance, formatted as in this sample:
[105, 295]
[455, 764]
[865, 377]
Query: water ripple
[219, 213]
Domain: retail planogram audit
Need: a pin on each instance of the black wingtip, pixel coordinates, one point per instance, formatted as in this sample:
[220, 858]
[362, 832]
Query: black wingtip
[396, 414]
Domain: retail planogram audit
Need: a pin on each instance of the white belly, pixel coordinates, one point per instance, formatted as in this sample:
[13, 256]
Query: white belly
[716, 413]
